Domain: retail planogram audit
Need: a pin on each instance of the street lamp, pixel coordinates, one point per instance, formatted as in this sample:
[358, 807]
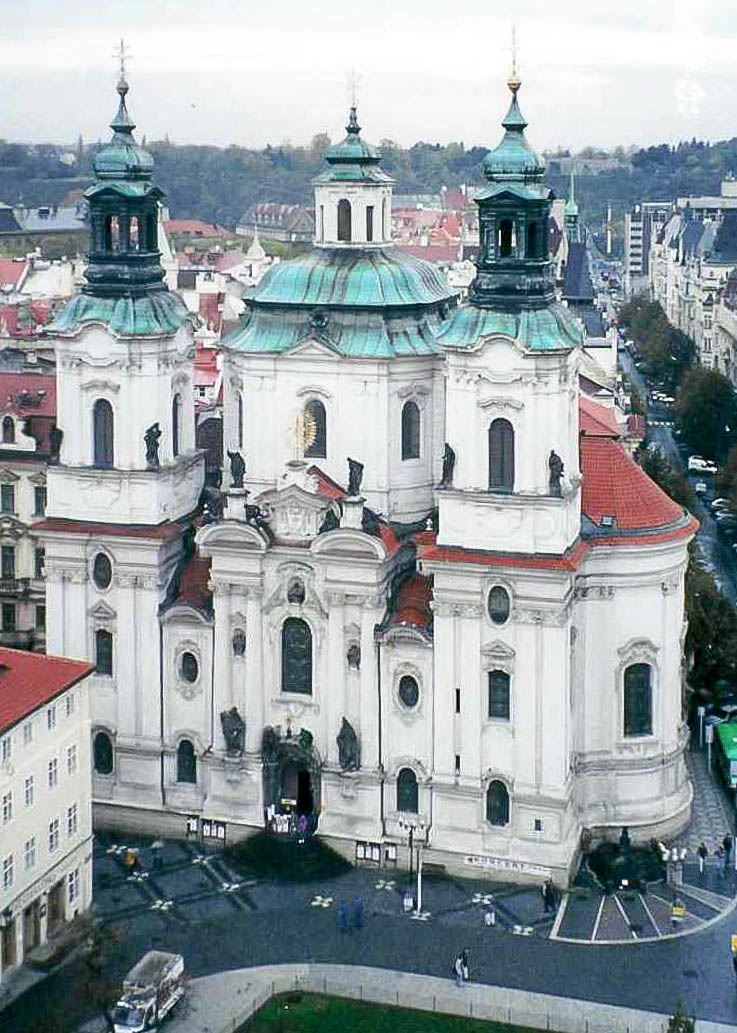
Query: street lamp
[415, 827]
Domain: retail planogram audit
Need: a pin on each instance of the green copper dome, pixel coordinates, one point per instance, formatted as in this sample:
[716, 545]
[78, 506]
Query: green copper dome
[353, 159]
[548, 329]
[355, 277]
[513, 157]
[122, 158]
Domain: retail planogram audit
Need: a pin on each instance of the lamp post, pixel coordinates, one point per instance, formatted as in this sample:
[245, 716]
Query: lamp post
[415, 826]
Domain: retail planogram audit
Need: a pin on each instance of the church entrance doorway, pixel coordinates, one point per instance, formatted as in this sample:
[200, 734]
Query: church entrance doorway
[296, 785]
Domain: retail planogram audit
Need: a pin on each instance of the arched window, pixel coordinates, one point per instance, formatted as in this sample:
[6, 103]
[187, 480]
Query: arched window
[186, 762]
[239, 642]
[501, 456]
[499, 695]
[410, 431]
[102, 571]
[239, 418]
[321, 224]
[497, 804]
[176, 423]
[532, 240]
[102, 432]
[316, 425]
[296, 656]
[151, 232]
[369, 223]
[407, 791]
[104, 652]
[638, 706]
[384, 231]
[102, 754]
[134, 234]
[189, 669]
[8, 431]
[505, 238]
[498, 605]
[344, 220]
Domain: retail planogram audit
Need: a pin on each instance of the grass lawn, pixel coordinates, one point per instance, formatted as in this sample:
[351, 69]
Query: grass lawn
[283, 859]
[306, 1013]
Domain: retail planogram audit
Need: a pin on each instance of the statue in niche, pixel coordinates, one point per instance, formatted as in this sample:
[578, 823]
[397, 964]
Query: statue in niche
[296, 592]
[555, 465]
[269, 743]
[237, 469]
[348, 753]
[353, 656]
[239, 642]
[234, 731]
[151, 440]
[449, 462]
[355, 476]
[305, 739]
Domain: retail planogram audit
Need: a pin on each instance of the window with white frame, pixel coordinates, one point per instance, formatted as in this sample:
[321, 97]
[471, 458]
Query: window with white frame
[29, 853]
[51, 717]
[5, 748]
[28, 791]
[7, 808]
[53, 835]
[69, 704]
[73, 885]
[71, 759]
[8, 872]
[53, 770]
[28, 733]
[72, 820]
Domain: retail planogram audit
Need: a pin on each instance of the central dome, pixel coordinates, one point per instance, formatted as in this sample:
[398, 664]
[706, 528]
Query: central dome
[355, 278]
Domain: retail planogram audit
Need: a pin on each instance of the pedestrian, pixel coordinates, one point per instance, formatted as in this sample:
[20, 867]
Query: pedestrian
[358, 912]
[702, 854]
[465, 966]
[728, 843]
[489, 916]
[549, 896]
[342, 916]
[734, 965]
[458, 970]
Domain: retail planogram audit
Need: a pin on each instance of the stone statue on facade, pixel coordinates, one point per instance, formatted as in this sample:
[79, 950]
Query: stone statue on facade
[237, 469]
[555, 465]
[449, 462]
[212, 503]
[269, 743]
[348, 752]
[151, 440]
[234, 731]
[56, 436]
[355, 476]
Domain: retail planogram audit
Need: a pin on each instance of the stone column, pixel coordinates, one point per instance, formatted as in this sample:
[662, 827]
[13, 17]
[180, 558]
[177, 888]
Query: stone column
[469, 635]
[256, 687]
[369, 705]
[335, 689]
[222, 692]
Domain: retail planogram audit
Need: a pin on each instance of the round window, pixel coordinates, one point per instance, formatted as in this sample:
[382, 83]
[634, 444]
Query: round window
[409, 690]
[188, 667]
[102, 570]
[499, 604]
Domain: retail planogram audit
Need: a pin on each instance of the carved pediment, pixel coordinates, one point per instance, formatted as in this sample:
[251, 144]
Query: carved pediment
[314, 347]
[8, 477]
[10, 527]
[293, 513]
[102, 612]
[497, 650]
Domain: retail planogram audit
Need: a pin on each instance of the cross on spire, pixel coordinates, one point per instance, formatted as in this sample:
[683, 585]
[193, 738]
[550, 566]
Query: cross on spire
[514, 82]
[353, 83]
[122, 53]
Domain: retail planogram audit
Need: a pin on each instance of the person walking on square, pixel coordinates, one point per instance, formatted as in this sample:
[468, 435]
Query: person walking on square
[465, 965]
[342, 916]
[728, 843]
[721, 866]
[702, 854]
[358, 912]
[458, 970]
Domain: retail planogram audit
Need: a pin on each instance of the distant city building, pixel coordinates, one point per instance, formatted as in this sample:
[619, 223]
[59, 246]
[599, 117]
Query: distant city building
[640, 223]
[45, 800]
[45, 220]
[293, 223]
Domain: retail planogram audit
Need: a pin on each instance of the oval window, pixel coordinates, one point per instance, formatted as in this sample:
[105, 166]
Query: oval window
[102, 570]
[409, 690]
[188, 667]
[499, 604]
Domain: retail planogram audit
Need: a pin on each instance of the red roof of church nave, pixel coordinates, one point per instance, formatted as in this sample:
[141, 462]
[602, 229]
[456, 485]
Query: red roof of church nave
[30, 680]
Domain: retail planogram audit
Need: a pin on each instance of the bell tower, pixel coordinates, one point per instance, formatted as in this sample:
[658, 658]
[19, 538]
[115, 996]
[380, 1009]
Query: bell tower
[125, 353]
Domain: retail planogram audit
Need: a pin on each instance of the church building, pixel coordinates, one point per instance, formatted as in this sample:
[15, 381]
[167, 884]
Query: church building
[434, 592]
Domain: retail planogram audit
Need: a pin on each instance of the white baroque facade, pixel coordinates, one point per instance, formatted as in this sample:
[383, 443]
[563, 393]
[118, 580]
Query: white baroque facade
[477, 631]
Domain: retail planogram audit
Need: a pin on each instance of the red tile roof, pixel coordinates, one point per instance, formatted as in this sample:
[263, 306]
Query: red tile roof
[89, 527]
[570, 560]
[596, 420]
[194, 587]
[413, 602]
[11, 272]
[636, 426]
[433, 252]
[615, 486]
[195, 227]
[30, 680]
[326, 486]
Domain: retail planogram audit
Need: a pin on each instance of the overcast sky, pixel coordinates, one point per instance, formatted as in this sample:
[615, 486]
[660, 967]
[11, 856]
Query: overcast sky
[599, 72]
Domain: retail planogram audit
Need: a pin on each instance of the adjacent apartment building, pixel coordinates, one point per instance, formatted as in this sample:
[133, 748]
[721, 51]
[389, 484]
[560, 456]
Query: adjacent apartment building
[45, 800]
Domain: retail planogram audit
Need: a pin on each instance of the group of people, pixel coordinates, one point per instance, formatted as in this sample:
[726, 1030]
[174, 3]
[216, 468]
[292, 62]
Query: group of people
[723, 854]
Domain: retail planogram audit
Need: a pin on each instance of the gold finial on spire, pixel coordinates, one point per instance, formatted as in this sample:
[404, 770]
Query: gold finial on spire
[514, 82]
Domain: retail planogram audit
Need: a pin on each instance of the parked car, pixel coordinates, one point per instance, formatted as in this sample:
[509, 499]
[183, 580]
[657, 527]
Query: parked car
[721, 505]
[697, 464]
[700, 487]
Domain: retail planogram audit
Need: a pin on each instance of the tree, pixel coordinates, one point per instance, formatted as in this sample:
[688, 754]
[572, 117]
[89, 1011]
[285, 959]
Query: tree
[707, 412]
[672, 481]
